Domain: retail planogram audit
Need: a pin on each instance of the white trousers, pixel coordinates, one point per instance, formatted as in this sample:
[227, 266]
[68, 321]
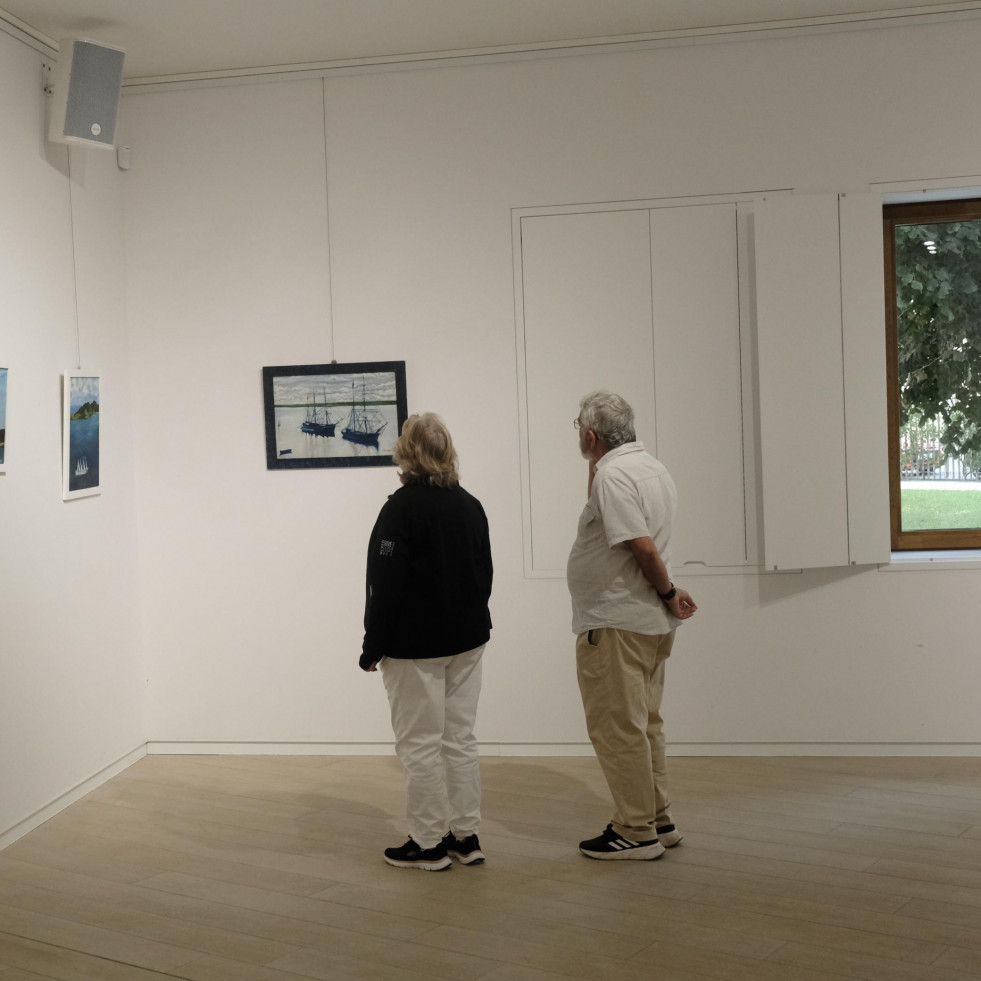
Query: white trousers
[434, 706]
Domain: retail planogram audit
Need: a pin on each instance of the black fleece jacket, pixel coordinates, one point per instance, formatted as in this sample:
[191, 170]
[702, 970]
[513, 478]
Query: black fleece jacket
[429, 576]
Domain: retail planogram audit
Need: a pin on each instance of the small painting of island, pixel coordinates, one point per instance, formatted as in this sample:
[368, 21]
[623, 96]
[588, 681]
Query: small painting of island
[80, 435]
[3, 420]
[333, 415]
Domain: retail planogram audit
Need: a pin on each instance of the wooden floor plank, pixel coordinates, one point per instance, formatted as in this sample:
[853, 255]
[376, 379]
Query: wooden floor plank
[320, 964]
[901, 933]
[832, 963]
[282, 929]
[892, 888]
[518, 972]
[88, 854]
[826, 858]
[923, 871]
[73, 934]
[959, 961]
[393, 926]
[16, 974]
[67, 964]
[668, 959]
[225, 969]
[183, 933]
[574, 963]
[529, 922]
[956, 852]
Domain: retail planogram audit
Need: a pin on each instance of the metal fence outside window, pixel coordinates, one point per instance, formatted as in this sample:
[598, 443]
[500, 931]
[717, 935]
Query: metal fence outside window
[922, 455]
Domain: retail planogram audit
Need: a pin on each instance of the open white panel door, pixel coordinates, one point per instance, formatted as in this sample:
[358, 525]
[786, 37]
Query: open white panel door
[698, 383]
[863, 318]
[801, 389]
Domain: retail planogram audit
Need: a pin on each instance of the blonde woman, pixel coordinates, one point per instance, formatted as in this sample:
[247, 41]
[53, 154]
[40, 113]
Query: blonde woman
[426, 624]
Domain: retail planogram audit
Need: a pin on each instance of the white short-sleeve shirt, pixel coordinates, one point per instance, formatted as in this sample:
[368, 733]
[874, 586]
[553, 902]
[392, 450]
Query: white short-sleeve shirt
[633, 496]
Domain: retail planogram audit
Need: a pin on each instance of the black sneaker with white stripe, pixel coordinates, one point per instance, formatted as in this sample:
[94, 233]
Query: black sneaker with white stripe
[610, 845]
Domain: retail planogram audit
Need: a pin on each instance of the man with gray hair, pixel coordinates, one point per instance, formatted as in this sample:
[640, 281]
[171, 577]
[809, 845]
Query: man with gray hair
[625, 610]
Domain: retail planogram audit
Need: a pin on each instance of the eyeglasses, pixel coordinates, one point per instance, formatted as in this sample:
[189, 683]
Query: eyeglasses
[576, 423]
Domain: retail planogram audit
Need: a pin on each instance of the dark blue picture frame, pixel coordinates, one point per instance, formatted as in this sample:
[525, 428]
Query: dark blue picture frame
[333, 415]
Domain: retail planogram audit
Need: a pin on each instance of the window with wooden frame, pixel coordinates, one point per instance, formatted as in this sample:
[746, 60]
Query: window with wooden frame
[933, 334]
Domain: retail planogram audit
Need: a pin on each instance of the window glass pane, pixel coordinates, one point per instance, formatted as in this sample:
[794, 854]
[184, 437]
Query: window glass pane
[938, 312]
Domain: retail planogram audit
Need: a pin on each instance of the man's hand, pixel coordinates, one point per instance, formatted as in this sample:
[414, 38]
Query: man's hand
[655, 572]
[681, 604]
[373, 666]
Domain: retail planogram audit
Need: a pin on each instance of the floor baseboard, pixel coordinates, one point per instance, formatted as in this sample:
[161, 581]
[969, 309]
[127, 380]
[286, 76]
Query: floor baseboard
[568, 749]
[32, 821]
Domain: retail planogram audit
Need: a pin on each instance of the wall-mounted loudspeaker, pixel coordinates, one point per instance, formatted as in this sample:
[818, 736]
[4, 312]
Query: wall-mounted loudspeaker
[87, 80]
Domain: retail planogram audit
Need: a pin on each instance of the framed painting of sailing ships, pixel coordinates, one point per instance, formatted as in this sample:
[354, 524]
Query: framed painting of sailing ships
[81, 406]
[333, 415]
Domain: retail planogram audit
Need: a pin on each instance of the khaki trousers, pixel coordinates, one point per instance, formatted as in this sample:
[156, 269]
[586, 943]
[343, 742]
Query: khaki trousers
[621, 679]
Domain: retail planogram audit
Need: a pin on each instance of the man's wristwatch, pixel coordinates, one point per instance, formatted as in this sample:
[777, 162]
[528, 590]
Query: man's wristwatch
[669, 595]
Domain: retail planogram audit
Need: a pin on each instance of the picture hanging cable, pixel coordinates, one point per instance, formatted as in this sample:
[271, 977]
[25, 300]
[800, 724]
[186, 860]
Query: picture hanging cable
[330, 282]
[71, 218]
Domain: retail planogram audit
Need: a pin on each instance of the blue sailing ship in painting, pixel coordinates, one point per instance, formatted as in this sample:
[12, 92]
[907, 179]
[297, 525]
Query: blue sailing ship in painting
[318, 421]
[83, 434]
[364, 425]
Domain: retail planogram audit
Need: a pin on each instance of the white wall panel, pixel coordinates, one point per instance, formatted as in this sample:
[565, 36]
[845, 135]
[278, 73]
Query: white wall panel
[698, 381]
[587, 325]
[227, 198]
[802, 418]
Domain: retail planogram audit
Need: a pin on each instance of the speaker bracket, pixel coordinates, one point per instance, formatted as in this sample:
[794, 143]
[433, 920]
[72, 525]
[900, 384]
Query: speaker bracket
[47, 78]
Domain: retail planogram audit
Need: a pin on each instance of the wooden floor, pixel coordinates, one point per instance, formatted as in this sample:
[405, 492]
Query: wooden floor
[231, 868]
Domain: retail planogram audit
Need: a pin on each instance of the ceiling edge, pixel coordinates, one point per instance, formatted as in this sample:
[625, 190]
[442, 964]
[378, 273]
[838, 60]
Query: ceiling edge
[892, 17]
[934, 13]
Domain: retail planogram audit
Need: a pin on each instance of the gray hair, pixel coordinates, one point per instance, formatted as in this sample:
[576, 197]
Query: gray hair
[609, 416]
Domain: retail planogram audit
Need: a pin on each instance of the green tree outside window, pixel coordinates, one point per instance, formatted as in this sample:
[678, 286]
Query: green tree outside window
[933, 295]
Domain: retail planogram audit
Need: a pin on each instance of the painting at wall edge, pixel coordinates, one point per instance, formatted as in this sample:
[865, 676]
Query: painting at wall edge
[3, 419]
[81, 418]
[333, 415]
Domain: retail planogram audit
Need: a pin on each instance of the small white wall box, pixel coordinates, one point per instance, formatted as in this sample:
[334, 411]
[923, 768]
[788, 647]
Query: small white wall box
[87, 82]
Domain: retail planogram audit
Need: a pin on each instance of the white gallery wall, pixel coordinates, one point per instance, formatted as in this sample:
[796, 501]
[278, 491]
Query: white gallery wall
[71, 677]
[369, 217]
